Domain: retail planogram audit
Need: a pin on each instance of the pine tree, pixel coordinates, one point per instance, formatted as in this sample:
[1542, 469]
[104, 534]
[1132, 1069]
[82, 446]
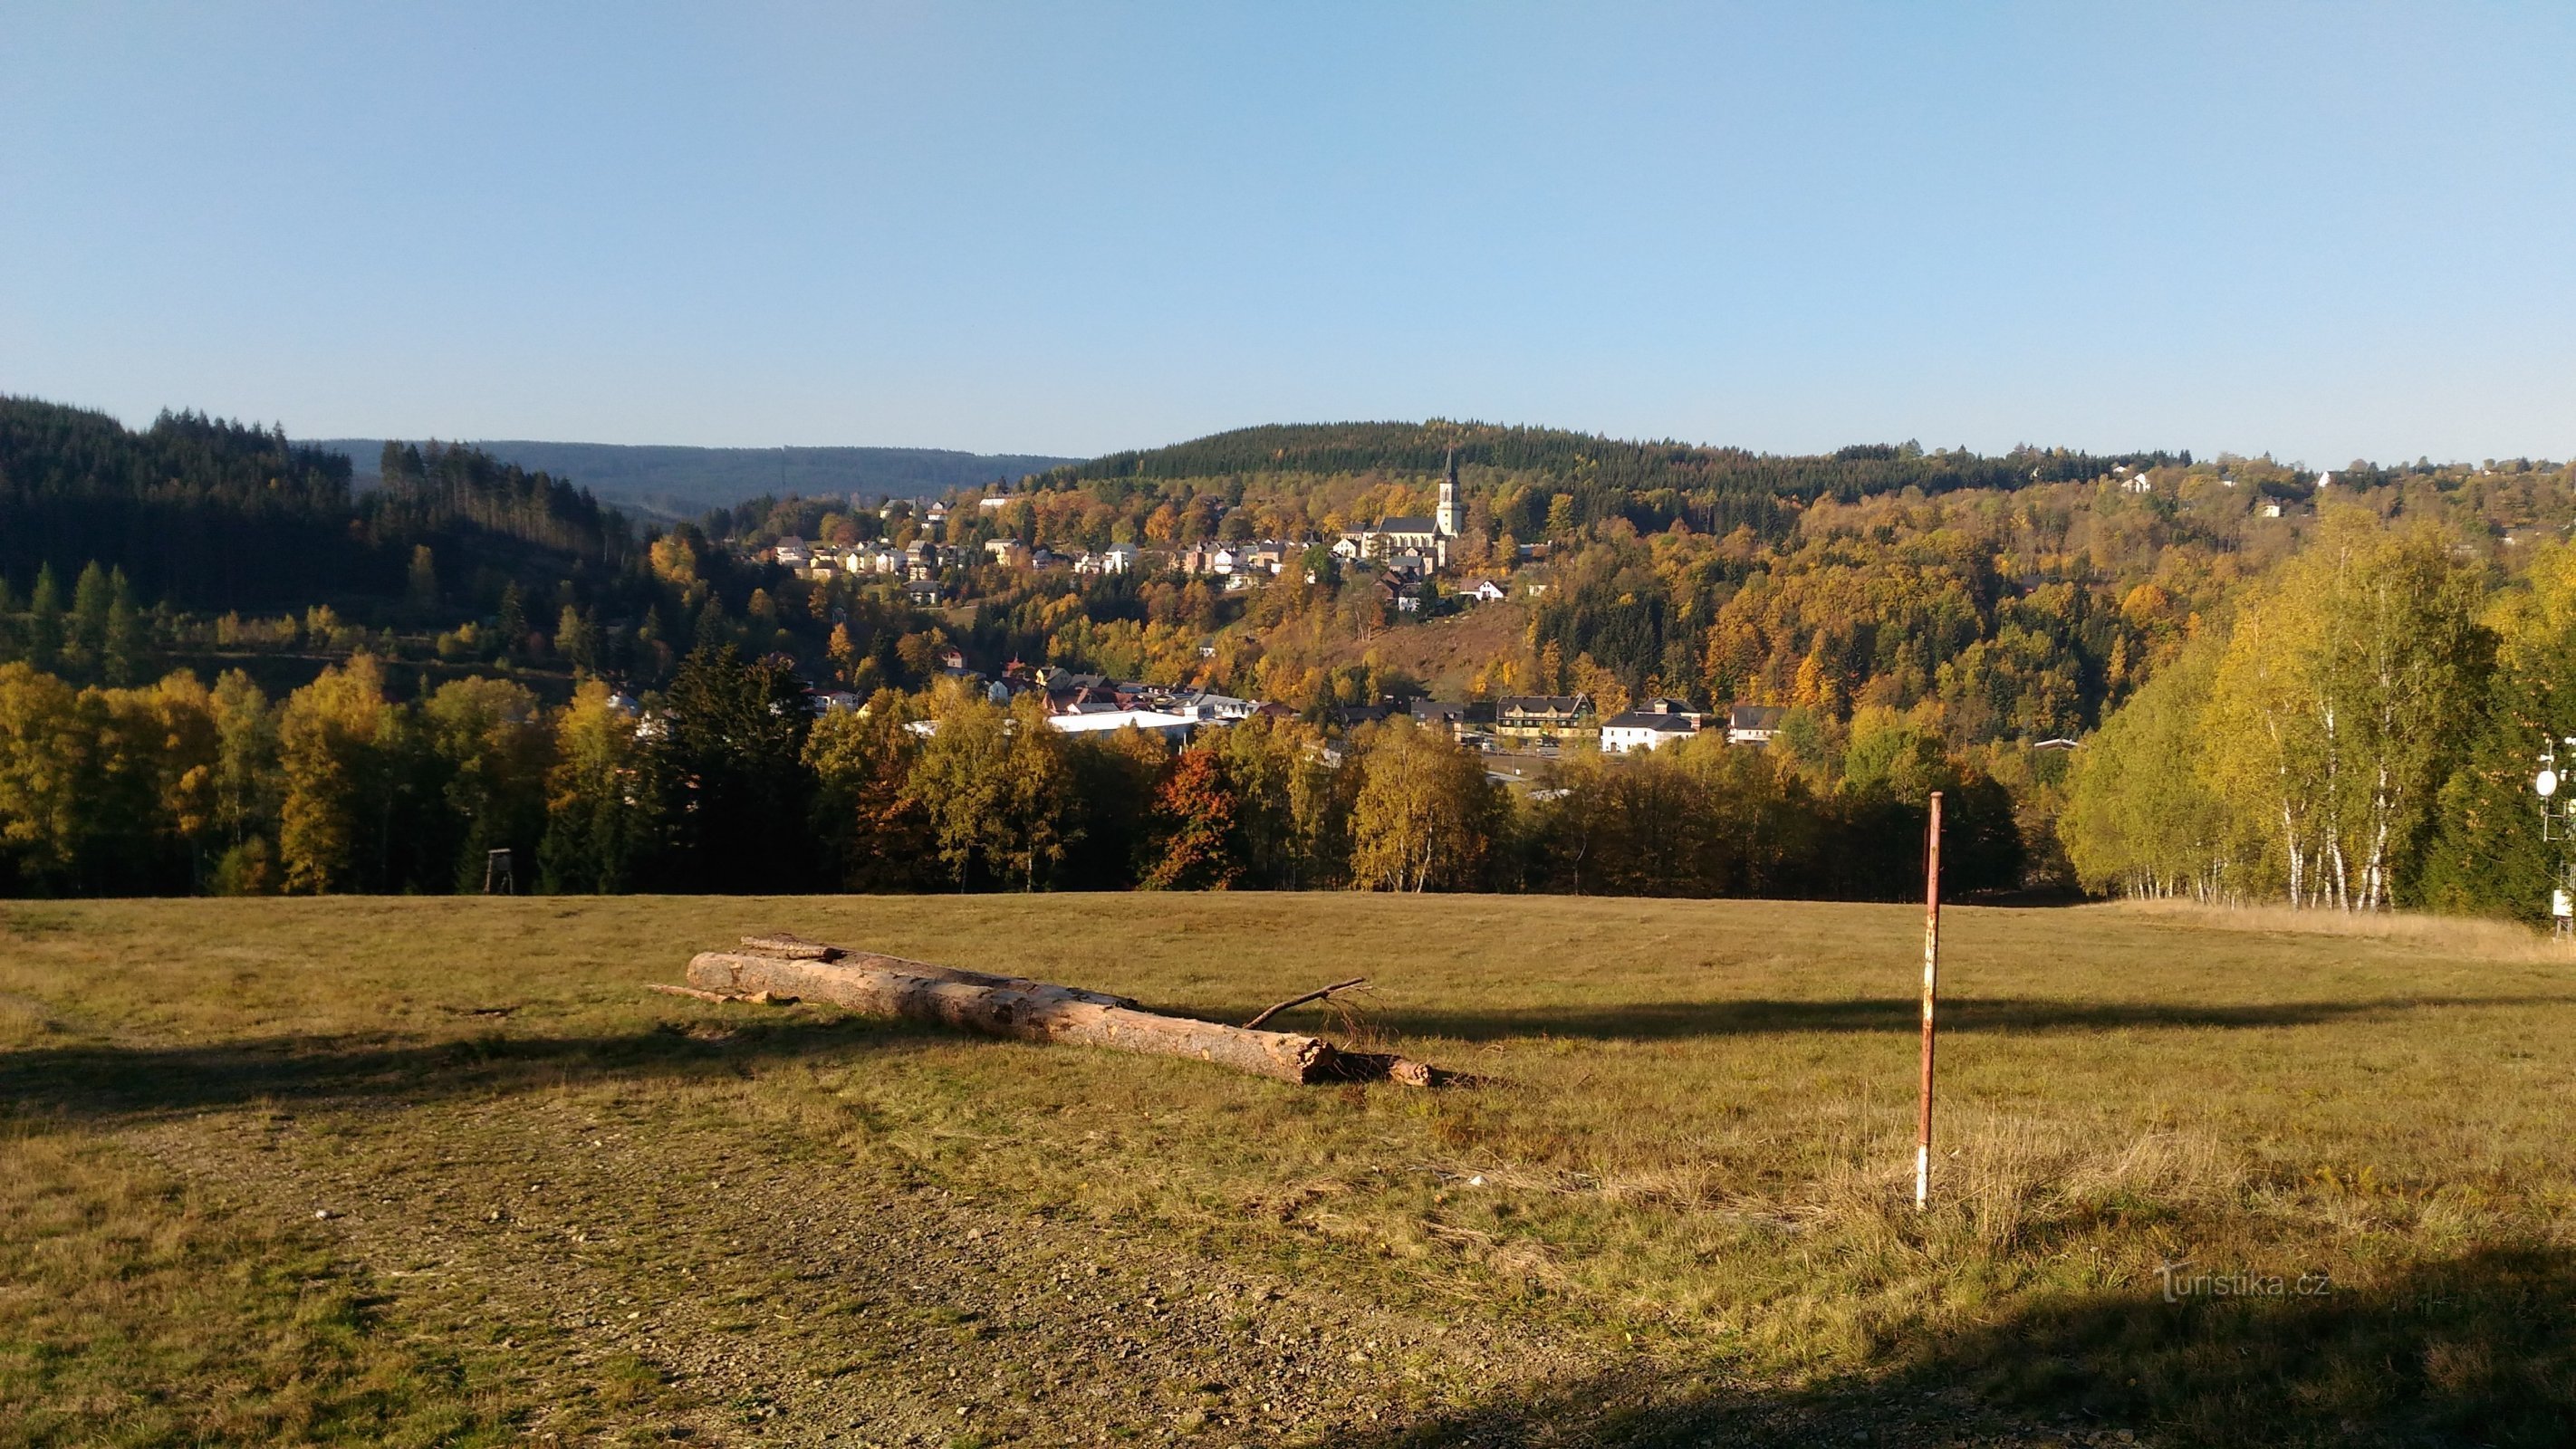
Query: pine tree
[729, 777]
[92, 599]
[45, 621]
[123, 641]
[512, 621]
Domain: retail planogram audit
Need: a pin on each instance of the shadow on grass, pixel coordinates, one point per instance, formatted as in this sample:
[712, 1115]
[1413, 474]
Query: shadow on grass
[92, 1081]
[1668, 1020]
[2474, 1350]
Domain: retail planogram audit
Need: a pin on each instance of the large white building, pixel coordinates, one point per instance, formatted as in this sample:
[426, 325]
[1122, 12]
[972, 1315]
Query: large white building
[1426, 536]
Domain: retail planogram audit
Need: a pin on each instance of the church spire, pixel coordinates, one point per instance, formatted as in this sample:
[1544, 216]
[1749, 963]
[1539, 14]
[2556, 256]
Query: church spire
[1450, 519]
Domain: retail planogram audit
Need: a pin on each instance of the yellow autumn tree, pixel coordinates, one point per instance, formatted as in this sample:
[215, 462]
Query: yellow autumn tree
[333, 739]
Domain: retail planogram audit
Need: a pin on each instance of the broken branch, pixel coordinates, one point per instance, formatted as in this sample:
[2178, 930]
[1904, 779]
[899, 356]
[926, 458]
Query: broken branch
[1354, 984]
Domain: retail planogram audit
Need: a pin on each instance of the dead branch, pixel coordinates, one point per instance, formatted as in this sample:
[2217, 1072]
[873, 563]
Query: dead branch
[762, 998]
[1356, 983]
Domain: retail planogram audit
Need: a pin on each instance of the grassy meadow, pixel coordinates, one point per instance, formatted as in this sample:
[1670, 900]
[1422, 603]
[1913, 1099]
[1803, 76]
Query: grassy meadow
[439, 1171]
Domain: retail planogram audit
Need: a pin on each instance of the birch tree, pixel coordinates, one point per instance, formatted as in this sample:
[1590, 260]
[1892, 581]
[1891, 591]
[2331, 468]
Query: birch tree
[2336, 708]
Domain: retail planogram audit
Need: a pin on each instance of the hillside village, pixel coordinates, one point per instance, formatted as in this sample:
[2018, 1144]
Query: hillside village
[1404, 559]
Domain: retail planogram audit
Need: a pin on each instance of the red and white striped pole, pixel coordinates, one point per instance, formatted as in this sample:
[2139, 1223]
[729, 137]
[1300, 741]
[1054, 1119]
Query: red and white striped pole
[1931, 983]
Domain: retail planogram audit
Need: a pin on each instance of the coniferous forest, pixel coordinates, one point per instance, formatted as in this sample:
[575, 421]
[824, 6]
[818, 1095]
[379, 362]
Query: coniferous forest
[223, 669]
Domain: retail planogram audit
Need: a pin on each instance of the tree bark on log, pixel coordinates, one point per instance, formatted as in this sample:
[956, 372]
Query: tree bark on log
[1039, 1011]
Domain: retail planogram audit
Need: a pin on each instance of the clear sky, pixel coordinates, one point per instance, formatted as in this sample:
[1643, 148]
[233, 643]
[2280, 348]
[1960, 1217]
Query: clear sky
[2321, 231]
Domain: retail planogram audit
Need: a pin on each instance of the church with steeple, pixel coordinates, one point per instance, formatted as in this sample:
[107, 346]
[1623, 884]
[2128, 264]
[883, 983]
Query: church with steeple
[1450, 519]
[1400, 541]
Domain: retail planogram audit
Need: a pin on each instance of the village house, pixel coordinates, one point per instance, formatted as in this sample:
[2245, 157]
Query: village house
[1485, 591]
[1449, 719]
[1752, 724]
[791, 553]
[1644, 729]
[922, 593]
[1209, 707]
[1117, 558]
[1543, 718]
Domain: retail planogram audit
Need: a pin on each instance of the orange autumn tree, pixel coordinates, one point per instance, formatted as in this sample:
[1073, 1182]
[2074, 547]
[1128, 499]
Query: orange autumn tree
[1196, 809]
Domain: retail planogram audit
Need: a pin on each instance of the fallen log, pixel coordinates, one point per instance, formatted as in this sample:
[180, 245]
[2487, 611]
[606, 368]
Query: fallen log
[1039, 1011]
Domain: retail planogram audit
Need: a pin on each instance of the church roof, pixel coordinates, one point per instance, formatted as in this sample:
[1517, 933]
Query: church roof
[1406, 525]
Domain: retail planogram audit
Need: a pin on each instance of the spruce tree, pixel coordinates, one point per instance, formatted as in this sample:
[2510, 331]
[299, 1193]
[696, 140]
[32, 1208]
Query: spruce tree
[122, 644]
[45, 622]
[92, 598]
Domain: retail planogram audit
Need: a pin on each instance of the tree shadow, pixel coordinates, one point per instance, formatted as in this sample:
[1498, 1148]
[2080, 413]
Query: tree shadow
[92, 1081]
[1669, 1020]
[2478, 1349]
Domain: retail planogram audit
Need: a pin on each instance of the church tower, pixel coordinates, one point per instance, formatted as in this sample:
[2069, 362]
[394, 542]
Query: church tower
[1450, 519]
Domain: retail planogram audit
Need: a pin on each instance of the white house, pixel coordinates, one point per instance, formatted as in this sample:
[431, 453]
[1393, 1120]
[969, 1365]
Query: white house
[1752, 724]
[1640, 729]
[1151, 721]
[1211, 708]
[1117, 558]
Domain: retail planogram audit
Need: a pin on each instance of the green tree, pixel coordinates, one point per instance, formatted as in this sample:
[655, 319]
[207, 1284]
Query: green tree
[877, 834]
[2331, 714]
[1426, 816]
[595, 809]
[491, 739]
[45, 621]
[122, 640]
[2141, 817]
[2488, 853]
[734, 798]
[960, 780]
[1037, 775]
[93, 597]
[247, 786]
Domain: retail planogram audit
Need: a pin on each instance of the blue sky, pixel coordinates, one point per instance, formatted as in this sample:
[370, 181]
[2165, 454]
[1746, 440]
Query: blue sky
[2325, 231]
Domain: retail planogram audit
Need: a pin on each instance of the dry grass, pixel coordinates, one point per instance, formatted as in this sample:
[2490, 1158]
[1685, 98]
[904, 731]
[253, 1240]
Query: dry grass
[2461, 937]
[1696, 1146]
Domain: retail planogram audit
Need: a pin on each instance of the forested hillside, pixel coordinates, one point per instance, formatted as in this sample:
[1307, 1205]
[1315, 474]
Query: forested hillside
[672, 483]
[2250, 680]
[216, 516]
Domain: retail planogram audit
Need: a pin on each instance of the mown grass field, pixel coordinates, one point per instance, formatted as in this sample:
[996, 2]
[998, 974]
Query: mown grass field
[438, 1171]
